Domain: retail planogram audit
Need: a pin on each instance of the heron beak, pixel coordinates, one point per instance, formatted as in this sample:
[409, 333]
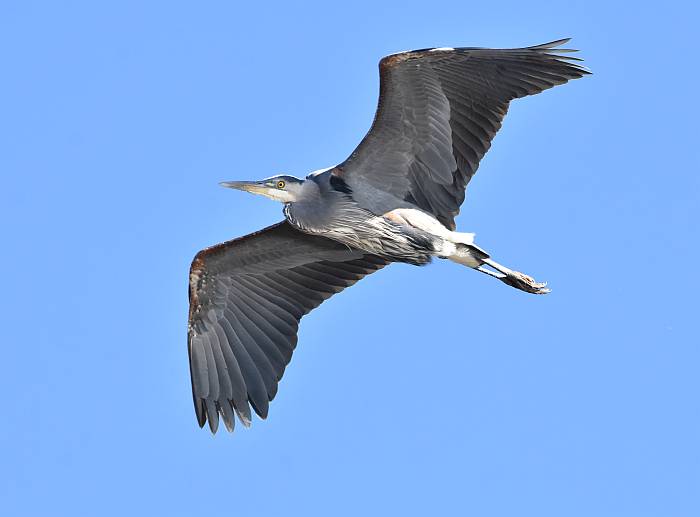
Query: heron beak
[254, 187]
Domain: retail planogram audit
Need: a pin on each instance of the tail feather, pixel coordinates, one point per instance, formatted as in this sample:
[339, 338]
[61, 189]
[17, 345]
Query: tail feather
[468, 255]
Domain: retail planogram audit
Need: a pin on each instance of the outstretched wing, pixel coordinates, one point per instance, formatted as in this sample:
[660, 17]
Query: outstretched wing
[438, 111]
[246, 299]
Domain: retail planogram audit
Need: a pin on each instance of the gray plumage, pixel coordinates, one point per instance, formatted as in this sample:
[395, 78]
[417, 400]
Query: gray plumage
[437, 114]
[326, 206]
[393, 200]
[246, 299]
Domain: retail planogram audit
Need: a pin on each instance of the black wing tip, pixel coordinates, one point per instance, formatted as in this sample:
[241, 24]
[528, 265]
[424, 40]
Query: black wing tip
[228, 416]
[208, 412]
[550, 46]
[212, 415]
[244, 415]
[200, 412]
[552, 51]
[553, 44]
[261, 411]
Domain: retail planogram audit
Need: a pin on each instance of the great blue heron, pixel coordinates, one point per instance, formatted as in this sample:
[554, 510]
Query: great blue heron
[393, 200]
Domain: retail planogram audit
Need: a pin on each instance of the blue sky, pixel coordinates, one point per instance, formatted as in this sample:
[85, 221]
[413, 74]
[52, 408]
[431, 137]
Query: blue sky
[445, 392]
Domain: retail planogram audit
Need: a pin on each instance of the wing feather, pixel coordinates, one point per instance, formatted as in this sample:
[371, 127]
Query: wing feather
[246, 299]
[437, 114]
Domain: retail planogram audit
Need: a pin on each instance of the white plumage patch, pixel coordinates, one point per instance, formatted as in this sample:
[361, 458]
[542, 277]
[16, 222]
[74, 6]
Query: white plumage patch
[441, 49]
[428, 223]
[320, 171]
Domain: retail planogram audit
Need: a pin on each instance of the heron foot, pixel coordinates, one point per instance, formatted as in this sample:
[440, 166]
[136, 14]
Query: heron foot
[525, 283]
[513, 278]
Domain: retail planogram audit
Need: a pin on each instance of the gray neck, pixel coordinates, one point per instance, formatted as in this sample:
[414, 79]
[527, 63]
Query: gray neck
[316, 205]
[309, 190]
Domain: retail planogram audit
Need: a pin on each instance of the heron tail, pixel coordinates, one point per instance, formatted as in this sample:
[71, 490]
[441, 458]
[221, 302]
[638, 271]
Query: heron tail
[468, 255]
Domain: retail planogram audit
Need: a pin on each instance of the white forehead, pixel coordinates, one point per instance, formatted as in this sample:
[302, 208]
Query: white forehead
[321, 171]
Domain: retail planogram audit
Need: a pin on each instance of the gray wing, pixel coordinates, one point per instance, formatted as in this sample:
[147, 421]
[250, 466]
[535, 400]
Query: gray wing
[438, 111]
[246, 299]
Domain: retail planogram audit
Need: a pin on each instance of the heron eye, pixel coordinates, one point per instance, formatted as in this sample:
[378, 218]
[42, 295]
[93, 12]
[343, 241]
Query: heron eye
[280, 184]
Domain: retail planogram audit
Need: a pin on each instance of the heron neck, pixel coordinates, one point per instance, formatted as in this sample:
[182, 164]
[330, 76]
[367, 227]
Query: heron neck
[309, 190]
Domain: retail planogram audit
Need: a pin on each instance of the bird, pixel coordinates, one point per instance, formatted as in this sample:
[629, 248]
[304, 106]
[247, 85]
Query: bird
[394, 199]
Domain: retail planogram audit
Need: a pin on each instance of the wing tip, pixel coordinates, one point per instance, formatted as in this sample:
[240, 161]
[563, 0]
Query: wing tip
[261, 411]
[552, 44]
[208, 411]
[551, 50]
[228, 416]
[200, 411]
[242, 409]
[212, 416]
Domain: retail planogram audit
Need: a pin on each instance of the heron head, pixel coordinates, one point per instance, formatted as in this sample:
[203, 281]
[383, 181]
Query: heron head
[285, 189]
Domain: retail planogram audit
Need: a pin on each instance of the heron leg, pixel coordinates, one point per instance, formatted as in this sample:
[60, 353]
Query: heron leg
[459, 247]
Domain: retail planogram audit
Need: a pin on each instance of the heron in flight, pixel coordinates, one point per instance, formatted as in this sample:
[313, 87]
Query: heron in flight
[394, 199]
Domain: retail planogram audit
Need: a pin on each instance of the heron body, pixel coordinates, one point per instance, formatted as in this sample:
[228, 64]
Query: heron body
[327, 207]
[393, 200]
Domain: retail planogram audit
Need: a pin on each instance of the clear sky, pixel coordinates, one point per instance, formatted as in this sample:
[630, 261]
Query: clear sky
[433, 391]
